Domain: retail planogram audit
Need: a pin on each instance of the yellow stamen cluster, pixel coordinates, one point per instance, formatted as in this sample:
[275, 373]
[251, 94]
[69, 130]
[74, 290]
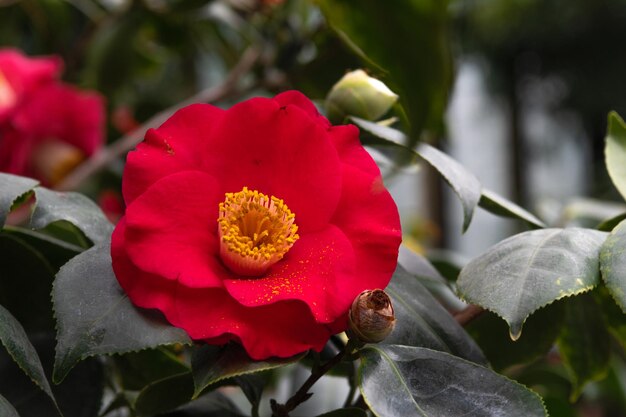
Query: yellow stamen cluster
[255, 231]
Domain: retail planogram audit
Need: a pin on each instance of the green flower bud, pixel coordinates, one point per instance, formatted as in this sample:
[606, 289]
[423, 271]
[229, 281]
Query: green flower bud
[371, 316]
[358, 94]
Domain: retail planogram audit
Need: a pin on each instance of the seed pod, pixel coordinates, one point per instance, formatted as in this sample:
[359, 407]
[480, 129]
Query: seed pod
[371, 316]
[358, 94]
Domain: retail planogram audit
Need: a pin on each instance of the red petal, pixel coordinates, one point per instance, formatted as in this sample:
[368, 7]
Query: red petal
[319, 270]
[280, 152]
[369, 217]
[180, 144]
[61, 112]
[15, 150]
[26, 75]
[346, 141]
[282, 329]
[296, 98]
[145, 290]
[172, 229]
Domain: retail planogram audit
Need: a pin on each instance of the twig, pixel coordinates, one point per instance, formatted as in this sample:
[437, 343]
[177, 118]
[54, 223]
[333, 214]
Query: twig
[468, 314]
[127, 142]
[303, 394]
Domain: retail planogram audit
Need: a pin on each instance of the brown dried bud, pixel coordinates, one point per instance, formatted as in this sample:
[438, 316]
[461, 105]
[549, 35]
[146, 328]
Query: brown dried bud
[371, 316]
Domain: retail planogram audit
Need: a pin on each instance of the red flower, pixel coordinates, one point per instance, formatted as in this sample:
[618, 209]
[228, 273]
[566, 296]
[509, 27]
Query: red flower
[48, 127]
[258, 224]
[20, 76]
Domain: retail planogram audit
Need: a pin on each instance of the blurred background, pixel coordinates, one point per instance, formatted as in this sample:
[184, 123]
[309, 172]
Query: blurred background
[517, 90]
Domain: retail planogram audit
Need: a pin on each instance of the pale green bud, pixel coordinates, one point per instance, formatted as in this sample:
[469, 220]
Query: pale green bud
[358, 94]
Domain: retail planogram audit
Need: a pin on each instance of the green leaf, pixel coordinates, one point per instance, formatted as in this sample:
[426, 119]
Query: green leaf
[14, 339]
[613, 264]
[345, 412]
[530, 270]
[609, 224]
[421, 72]
[421, 268]
[540, 332]
[138, 369]
[72, 207]
[422, 322]
[615, 152]
[84, 383]
[408, 381]
[613, 314]
[165, 395]
[500, 206]
[211, 364]
[57, 252]
[12, 187]
[252, 386]
[94, 315]
[463, 182]
[213, 404]
[26, 291]
[6, 409]
[584, 343]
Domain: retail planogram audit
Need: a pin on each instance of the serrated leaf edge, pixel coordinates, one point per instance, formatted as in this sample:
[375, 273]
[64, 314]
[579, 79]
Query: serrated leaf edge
[57, 379]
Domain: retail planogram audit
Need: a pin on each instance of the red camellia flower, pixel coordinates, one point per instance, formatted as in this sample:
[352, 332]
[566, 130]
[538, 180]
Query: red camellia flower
[46, 127]
[21, 76]
[259, 224]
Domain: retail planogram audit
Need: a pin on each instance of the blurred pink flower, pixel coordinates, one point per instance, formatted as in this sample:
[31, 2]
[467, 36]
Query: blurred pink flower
[46, 127]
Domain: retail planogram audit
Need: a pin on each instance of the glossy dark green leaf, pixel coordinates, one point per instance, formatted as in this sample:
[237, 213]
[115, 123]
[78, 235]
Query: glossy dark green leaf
[613, 264]
[56, 251]
[420, 70]
[211, 364]
[12, 187]
[500, 206]
[615, 152]
[6, 409]
[610, 224]
[540, 333]
[94, 316]
[26, 290]
[463, 182]
[613, 314]
[75, 208]
[345, 412]
[252, 386]
[584, 344]
[84, 383]
[14, 339]
[138, 369]
[409, 381]
[422, 322]
[165, 395]
[530, 270]
[212, 404]
[421, 268]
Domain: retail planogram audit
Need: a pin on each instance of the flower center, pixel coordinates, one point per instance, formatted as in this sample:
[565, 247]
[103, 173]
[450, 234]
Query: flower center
[7, 94]
[255, 231]
[53, 159]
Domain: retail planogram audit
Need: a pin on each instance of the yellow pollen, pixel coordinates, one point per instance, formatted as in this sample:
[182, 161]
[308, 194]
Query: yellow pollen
[255, 231]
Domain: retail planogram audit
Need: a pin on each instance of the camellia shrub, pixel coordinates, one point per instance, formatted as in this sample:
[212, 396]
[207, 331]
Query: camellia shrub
[251, 255]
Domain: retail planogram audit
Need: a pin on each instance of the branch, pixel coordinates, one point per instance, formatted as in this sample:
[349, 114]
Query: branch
[107, 155]
[303, 394]
[468, 314]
